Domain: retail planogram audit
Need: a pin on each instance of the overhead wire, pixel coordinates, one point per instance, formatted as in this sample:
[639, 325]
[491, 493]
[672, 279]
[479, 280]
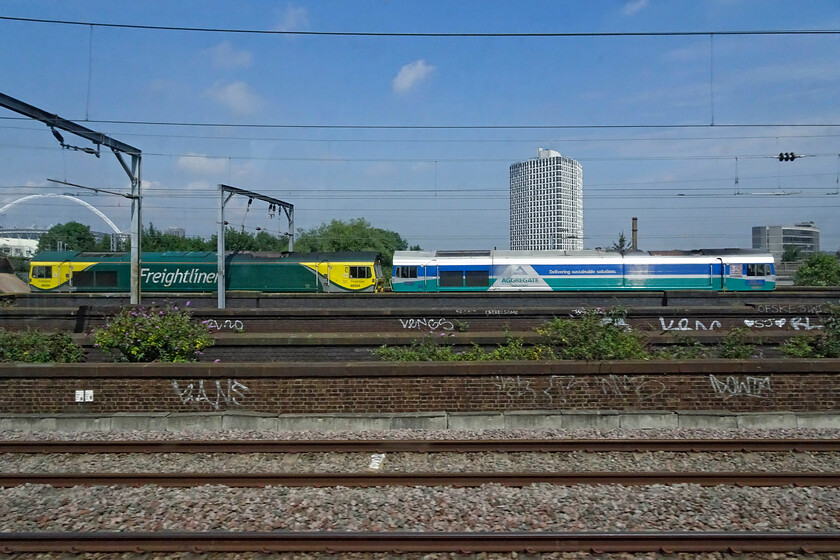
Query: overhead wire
[395, 140]
[460, 127]
[567, 34]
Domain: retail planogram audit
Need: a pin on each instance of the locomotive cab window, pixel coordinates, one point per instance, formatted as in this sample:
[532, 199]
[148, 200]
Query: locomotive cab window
[359, 272]
[42, 272]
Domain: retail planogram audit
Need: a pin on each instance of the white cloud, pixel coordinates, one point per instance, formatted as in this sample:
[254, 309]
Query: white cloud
[237, 96]
[226, 56]
[246, 169]
[202, 165]
[631, 8]
[200, 186]
[294, 19]
[145, 184]
[411, 75]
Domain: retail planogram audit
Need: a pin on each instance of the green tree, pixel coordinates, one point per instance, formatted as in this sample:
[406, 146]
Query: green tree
[239, 240]
[355, 235]
[792, 253]
[104, 244]
[154, 240]
[72, 236]
[820, 269]
[621, 245]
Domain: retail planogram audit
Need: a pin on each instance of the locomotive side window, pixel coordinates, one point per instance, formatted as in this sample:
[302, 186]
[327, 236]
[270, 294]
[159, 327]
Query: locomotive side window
[97, 279]
[405, 271]
[42, 272]
[83, 278]
[106, 278]
[755, 270]
[359, 272]
[451, 278]
[477, 278]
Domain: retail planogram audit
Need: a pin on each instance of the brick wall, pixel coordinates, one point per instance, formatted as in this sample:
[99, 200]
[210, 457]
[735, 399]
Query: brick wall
[737, 386]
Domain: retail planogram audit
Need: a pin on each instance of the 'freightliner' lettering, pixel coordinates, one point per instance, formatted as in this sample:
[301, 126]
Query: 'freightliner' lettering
[178, 276]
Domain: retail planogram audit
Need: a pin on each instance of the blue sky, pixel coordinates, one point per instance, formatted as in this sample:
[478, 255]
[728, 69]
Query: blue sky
[417, 134]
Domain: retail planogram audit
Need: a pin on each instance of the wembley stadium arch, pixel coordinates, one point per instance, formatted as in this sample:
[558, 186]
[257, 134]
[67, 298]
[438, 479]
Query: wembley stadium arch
[90, 207]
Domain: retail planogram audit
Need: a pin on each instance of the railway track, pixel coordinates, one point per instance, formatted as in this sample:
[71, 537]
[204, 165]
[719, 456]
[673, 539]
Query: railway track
[459, 480]
[402, 542]
[139, 539]
[352, 473]
[423, 446]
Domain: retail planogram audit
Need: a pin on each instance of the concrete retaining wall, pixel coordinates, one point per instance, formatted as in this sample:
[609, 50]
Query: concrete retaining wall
[603, 420]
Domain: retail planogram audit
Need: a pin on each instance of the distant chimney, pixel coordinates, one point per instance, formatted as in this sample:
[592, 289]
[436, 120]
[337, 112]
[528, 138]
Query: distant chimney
[635, 245]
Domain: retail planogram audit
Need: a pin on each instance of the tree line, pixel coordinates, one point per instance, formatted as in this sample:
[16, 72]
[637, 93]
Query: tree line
[337, 235]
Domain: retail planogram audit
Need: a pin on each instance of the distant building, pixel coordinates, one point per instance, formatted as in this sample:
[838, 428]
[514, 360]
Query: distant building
[775, 239]
[18, 246]
[546, 203]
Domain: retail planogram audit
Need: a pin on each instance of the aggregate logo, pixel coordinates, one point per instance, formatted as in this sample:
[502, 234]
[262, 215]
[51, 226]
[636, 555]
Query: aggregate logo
[520, 280]
[520, 276]
[168, 277]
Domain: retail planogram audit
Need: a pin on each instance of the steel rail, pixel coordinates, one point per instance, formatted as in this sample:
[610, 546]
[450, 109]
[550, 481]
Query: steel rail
[403, 542]
[423, 446]
[369, 480]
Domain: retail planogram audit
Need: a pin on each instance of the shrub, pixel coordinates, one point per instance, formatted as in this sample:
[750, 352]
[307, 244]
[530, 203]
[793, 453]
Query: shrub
[35, 346]
[799, 347]
[734, 345]
[820, 269]
[594, 335]
[149, 334]
[823, 345]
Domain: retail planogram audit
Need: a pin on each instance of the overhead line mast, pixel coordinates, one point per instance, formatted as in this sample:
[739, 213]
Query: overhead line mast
[98, 139]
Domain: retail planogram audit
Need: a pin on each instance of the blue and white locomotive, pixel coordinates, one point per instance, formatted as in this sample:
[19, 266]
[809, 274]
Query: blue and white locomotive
[491, 270]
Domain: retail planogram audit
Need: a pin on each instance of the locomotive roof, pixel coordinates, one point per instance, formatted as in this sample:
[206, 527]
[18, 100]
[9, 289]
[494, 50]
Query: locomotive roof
[582, 253]
[208, 256]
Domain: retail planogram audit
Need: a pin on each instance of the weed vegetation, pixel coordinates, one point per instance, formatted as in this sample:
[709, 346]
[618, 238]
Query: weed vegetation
[592, 334]
[153, 334]
[826, 344]
[38, 347]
